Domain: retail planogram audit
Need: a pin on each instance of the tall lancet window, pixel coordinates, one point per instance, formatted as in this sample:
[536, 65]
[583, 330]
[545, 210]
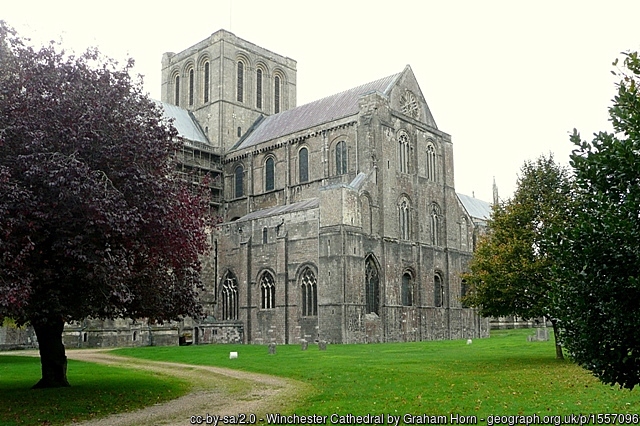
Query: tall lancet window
[276, 95]
[240, 81]
[206, 79]
[259, 88]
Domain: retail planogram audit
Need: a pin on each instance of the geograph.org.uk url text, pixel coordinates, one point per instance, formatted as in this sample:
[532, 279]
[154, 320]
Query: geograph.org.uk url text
[419, 419]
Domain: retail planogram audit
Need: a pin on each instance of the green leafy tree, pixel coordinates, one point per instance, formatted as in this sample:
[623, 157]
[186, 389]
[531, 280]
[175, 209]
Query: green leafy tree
[511, 270]
[93, 220]
[598, 250]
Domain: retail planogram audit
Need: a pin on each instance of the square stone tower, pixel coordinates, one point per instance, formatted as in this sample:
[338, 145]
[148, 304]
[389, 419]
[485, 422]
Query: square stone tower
[228, 84]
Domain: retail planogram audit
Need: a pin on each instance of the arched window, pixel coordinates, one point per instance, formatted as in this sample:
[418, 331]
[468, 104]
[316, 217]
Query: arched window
[207, 77]
[371, 287]
[269, 174]
[276, 95]
[431, 162]
[240, 81]
[464, 289]
[435, 224]
[341, 158]
[438, 291]
[238, 182]
[229, 297]
[259, 88]
[191, 84]
[268, 291]
[176, 88]
[309, 289]
[303, 165]
[407, 289]
[265, 235]
[403, 152]
[403, 214]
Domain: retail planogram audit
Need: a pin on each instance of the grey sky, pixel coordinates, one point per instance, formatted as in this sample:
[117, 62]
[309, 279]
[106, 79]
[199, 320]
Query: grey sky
[507, 79]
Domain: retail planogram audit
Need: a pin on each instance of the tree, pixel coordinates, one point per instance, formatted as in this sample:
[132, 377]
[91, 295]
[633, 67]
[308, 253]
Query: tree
[598, 251]
[93, 219]
[511, 271]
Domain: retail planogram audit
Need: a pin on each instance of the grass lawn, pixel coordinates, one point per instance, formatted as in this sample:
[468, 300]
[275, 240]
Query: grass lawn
[95, 391]
[502, 375]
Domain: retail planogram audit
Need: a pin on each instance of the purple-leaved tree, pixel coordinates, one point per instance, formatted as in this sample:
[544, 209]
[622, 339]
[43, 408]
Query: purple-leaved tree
[94, 221]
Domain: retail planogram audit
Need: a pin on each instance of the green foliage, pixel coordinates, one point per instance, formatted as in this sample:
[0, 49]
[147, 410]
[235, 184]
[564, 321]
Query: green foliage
[97, 392]
[511, 271]
[598, 249]
[503, 375]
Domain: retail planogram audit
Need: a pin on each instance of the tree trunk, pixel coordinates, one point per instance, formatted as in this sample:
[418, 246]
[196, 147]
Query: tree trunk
[52, 356]
[559, 354]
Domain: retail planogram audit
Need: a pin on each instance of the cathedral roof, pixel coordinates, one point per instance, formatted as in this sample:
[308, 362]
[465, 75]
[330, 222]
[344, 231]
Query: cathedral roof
[314, 113]
[477, 209]
[311, 203]
[184, 122]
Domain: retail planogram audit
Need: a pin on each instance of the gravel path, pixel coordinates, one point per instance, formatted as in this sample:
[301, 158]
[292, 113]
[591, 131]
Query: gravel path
[217, 392]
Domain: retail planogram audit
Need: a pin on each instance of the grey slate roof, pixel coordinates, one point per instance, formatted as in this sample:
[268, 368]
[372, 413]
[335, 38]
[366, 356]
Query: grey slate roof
[314, 113]
[184, 122]
[477, 209]
[311, 203]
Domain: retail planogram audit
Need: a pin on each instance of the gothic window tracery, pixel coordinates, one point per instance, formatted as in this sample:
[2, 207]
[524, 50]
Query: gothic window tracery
[431, 162]
[372, 287]
[229, 297]
[309, 290]
[268, 291]
[403, 215]
[434, 216]
[404, 152]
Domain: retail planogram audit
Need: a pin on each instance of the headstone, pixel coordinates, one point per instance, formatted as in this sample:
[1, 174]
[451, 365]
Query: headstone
[304, 344]
[233, 355]
[272, 348]
[322, 345]
[542, 335]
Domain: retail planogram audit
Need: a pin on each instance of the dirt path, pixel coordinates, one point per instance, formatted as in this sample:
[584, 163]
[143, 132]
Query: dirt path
[217, 392]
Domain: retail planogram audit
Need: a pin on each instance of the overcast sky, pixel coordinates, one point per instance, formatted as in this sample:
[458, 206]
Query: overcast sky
[507, 79]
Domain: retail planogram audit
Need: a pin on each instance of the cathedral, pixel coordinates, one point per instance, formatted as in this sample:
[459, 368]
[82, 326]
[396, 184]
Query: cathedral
[339, 219]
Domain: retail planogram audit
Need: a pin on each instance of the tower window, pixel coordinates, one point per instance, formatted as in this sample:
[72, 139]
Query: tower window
[259, 88]
[438, 291]
[276, 95]
[403, 152]
[176, 93]
[372, 289]
[191, 87]
[431, 163]
[240, 80]
[206, 82]
[407, 290]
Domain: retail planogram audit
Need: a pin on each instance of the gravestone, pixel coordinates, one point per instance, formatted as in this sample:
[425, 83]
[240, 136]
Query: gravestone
[322, 345]
[272, 348]
[304, 344]
[542, 335]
